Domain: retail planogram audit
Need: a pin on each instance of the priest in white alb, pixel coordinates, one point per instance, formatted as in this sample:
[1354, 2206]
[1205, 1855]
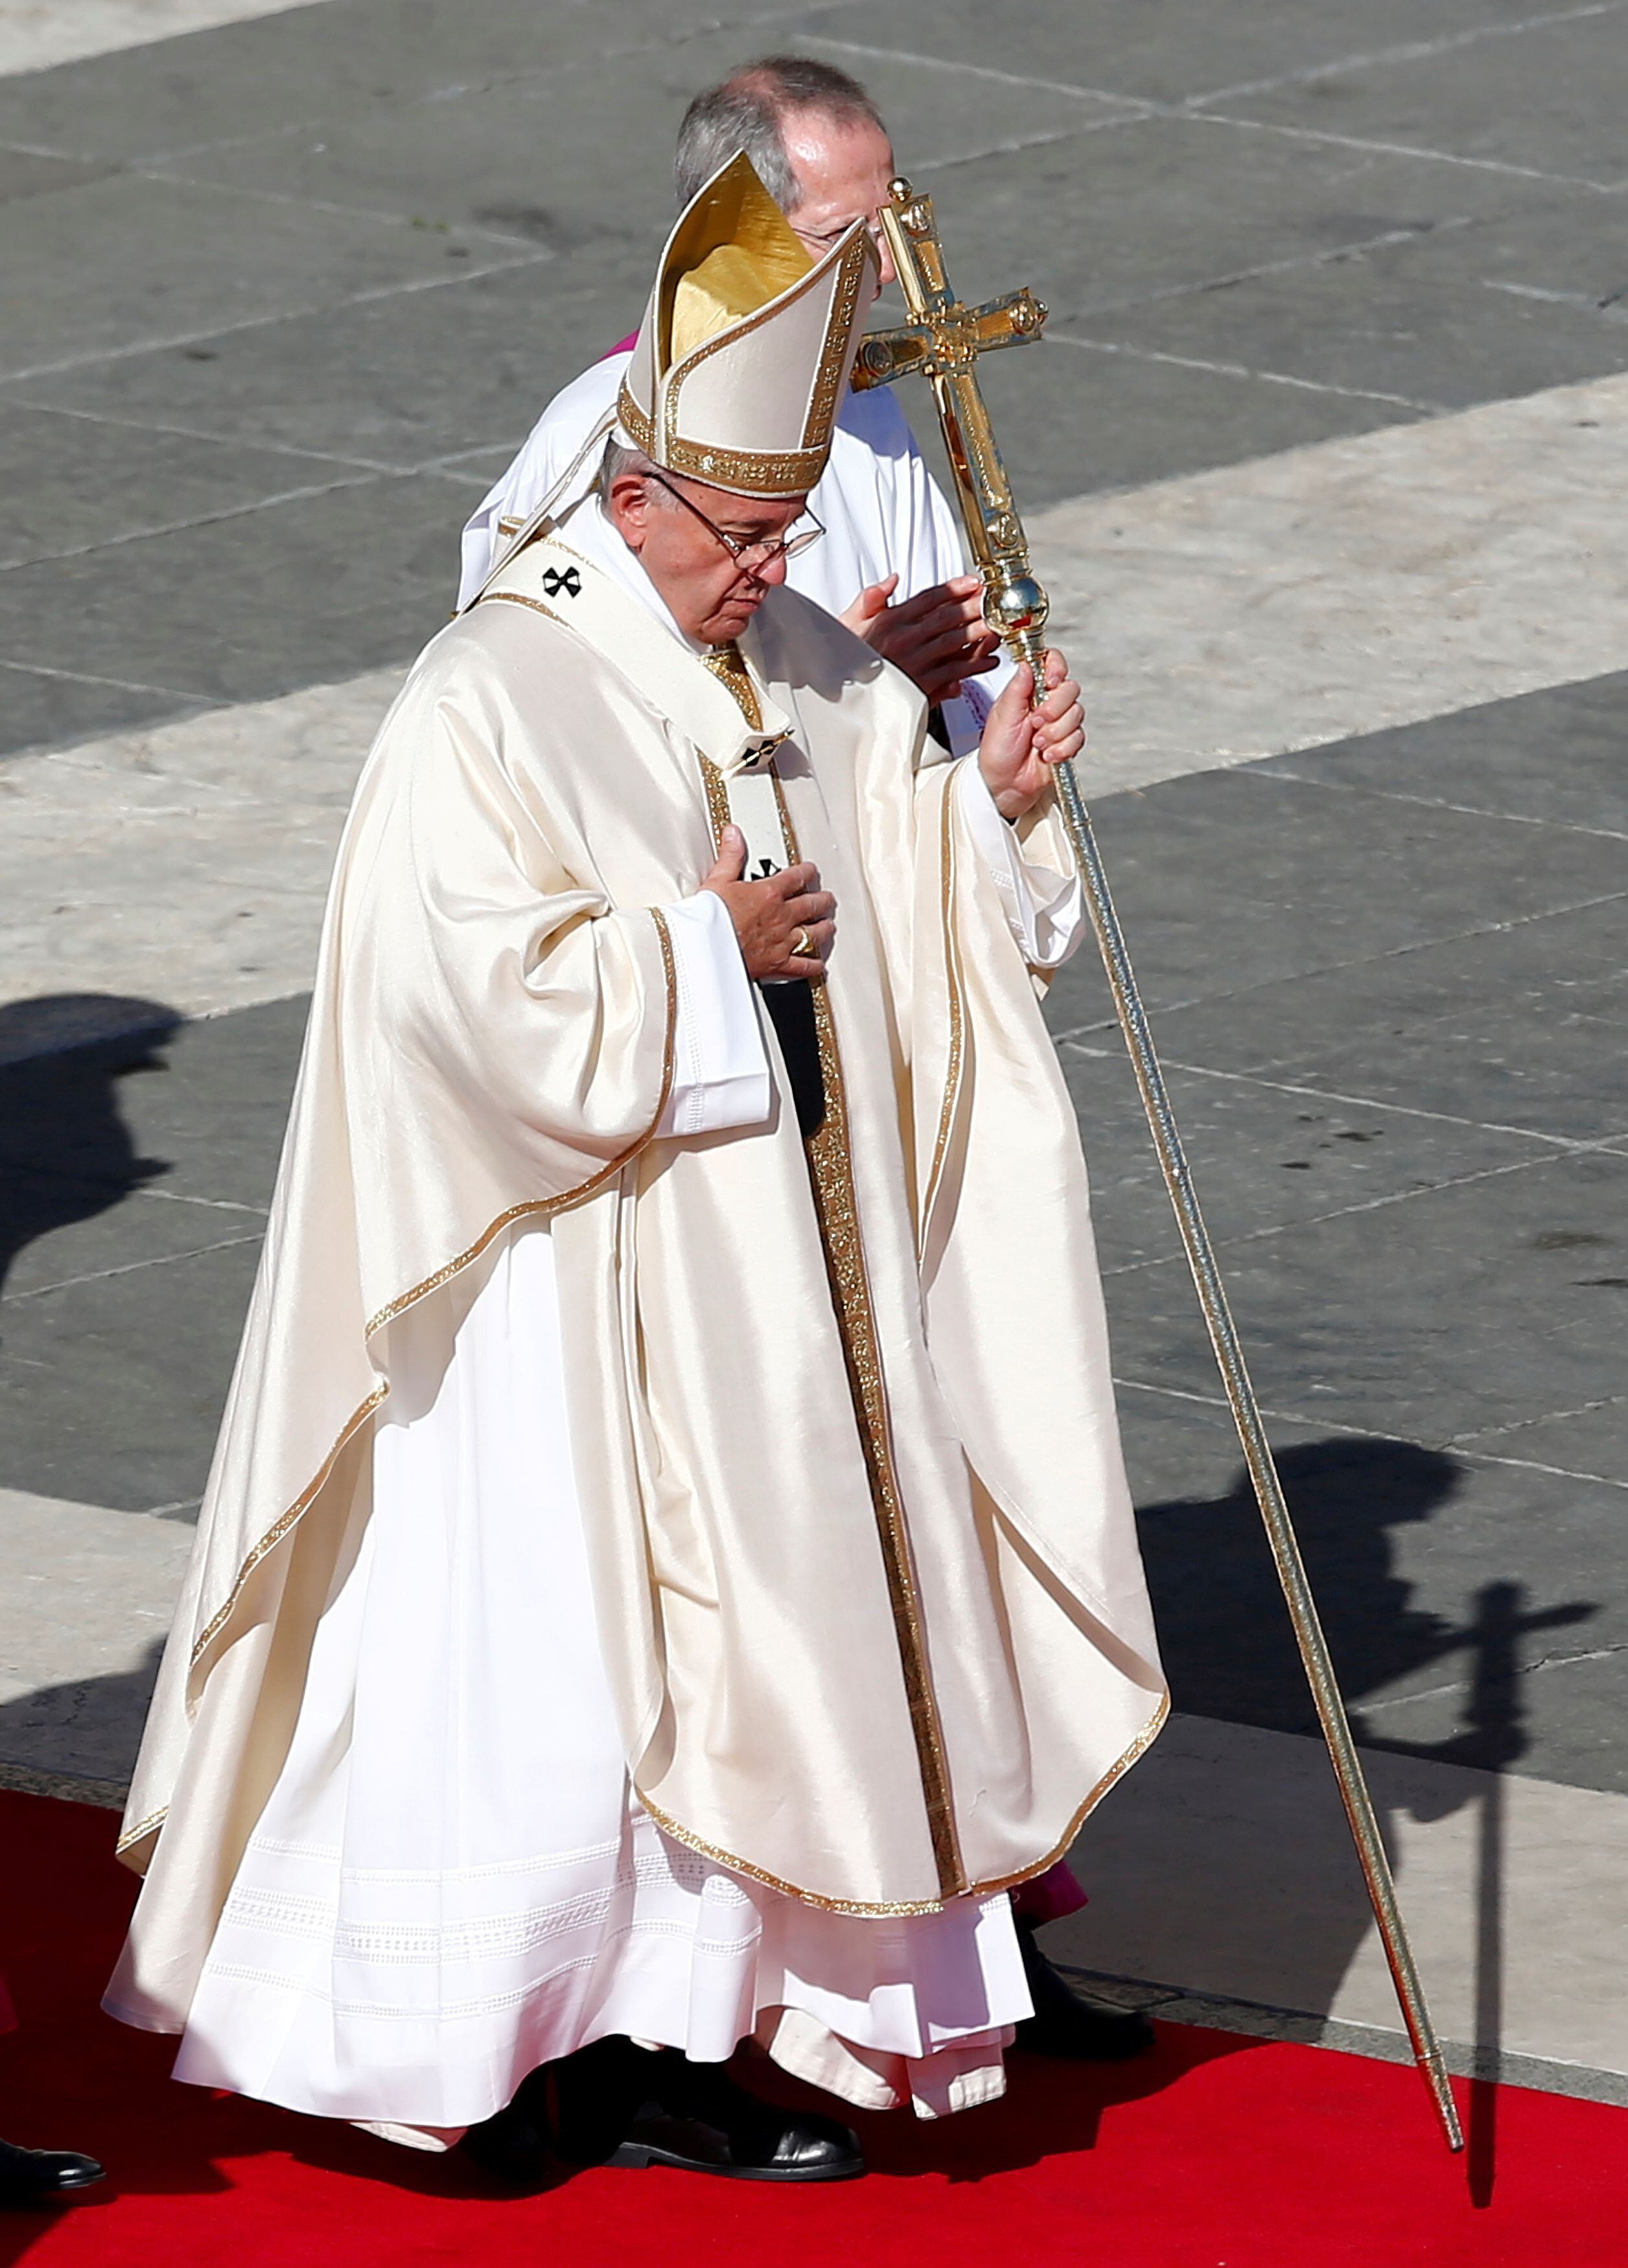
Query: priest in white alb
[892, 564]
[667, 1572]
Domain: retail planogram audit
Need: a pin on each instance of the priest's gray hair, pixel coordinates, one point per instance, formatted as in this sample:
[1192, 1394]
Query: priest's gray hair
[747, 111]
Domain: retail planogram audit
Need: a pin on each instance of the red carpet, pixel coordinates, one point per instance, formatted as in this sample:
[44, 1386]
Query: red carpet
[1214, 2153]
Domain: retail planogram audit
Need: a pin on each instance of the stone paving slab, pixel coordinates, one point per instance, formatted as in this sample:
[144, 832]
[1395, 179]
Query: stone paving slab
[44, 708]
[92, 1591]
[1267, 1155]
[1470, 1603]
[1183, 51]
[1481, 759]
[194, 859]
[1223, 1866]
[395, 382]
[1328, 592]
[35, 34]
[329, 61]
[1081, 415]
[111, 1388]
[1252, 850]
[1428, 320]
[70, 485]
[1270, 201]
[528, 156]
[176, 260]
[32, 173]
[1545, 1061]
[239, 608]
[1523, 95]
[1456, 1311]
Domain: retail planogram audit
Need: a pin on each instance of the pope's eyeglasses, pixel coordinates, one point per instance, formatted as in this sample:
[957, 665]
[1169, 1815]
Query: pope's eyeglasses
[768, 548]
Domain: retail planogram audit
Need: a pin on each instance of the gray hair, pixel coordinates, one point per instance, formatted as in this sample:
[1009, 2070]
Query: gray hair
[747, 112]
[620, 457]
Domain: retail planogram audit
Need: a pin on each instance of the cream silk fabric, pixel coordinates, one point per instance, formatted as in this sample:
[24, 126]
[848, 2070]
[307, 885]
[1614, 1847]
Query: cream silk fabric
[491, 1038]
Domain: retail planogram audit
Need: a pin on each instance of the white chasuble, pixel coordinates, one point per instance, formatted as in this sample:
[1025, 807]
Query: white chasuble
[764, 1599]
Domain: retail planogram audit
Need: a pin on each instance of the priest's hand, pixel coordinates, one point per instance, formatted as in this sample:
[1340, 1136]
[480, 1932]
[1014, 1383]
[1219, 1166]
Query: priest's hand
[936, 638]
[774, 919]
[1020, 744]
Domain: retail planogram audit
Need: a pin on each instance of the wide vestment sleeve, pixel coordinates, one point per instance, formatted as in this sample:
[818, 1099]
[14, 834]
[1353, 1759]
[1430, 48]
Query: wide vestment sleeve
[1011, 1290]
[491, 1038]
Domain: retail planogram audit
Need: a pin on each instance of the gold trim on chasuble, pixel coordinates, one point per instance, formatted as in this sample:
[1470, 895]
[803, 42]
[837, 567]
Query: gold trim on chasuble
[831, 1175]
[308, 1495]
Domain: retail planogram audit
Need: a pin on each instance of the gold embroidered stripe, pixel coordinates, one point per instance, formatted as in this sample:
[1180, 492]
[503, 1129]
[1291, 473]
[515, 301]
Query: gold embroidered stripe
[830, 1174]
[830, 1168]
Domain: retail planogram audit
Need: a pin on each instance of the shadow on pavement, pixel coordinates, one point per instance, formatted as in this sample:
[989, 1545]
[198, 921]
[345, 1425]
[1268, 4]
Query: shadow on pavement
[65, 1152]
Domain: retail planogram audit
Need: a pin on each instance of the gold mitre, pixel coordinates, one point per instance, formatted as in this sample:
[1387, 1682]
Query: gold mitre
[746, 345]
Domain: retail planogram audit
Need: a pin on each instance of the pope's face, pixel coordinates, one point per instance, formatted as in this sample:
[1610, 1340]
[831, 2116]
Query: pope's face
[678, 533]
[842, 174]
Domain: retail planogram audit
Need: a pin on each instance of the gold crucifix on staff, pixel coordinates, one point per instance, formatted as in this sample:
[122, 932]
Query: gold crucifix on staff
[943, 341]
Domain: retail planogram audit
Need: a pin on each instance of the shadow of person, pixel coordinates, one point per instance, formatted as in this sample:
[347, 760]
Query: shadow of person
[1280, 1909]
[85, 1729]
[65, 1152]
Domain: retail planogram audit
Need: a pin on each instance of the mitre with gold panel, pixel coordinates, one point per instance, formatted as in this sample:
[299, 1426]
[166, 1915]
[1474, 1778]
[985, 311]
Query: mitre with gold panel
[747, 346]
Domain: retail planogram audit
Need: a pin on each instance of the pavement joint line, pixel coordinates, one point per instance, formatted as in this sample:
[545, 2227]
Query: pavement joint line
[1139, 106]
[130, 425]
[1338, 1212]
[1039, 140]
[1323, 1418]
[215, 1204]
[1519, 1669]
[251, 193]
[1436, 802]
[1368, 961]
[1412, 51]
[1196, 108]
[1260, 2020]
[1566, 1145]
[1244, 370]
[100, 355]
[1544, 1417]
[1411, 149]
[1412, 232]
[1554, 298]
[85, 677]
[541, 75]
[364, 474]
[132, 1268]
[123, 536]
[56, 1176]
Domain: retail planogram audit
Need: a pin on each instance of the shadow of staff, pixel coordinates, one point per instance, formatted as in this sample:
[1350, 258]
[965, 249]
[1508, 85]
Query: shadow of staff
[1295, 1909]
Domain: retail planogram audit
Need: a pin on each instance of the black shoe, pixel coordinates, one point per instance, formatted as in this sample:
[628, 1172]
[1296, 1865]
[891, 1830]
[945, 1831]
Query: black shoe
[513, 2146]
[621, 2105]
[36, 2176]
[1063, 2024]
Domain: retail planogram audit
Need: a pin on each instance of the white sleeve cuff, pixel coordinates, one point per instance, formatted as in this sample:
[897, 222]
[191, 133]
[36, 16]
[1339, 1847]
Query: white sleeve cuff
[721, 1070]
[1045, 912]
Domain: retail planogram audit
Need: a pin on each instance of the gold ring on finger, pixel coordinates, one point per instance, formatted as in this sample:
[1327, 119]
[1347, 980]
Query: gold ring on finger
[805, 948]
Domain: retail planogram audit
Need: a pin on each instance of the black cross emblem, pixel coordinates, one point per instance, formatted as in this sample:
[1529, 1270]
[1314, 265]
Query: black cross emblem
[570, 582]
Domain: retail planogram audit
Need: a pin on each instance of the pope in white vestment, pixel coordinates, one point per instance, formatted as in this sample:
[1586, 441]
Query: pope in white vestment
[882, 512]
[668, 1570]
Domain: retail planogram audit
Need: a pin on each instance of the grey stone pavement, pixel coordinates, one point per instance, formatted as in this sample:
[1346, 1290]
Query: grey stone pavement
[281, 297]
